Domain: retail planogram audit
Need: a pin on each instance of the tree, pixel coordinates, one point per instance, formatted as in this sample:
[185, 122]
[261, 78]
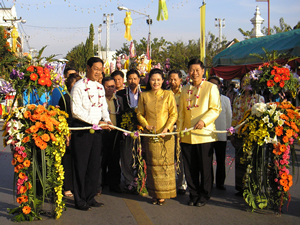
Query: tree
[79, 55]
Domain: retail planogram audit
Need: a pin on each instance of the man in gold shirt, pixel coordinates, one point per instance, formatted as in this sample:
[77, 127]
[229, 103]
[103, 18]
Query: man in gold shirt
[175, 80]
[199, 107]
[111, 145]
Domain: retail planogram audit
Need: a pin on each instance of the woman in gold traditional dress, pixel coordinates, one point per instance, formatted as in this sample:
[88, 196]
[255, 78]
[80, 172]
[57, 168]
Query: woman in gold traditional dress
[157, 113]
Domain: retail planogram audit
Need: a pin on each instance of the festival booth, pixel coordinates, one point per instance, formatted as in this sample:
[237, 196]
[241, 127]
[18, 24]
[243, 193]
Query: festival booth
[237, 60]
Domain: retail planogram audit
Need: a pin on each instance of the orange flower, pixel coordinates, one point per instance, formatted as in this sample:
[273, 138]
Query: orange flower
[277, 78]
[290, 177]
[26, 163]
[289, 133]
[283, 182]
[279, 130]
[33, 77]
[23, 189]
[30, 69]
[42, 81]
[14, 162]
[33, 129]
[284, 176]
[270, 83]
[290, 183]
[52, 113]
[294, 126]
[35, 117]
[16, 170]
[286, 188]
[26, 139]
[40, 70]
[284, 117]
[20, 158]
[31, 107]
[281, 84]
[287, 123]
[285, 139]
[29, 185]
[22, 175]
[39, 124]
[26, 209]
[49, 126]
[282, 148]
[25, 198]
[53, 138]
[16, 155]
[20, 166]
[27, 114]
[43, 145]
[45, 137]
[48, 82]
[19, 200]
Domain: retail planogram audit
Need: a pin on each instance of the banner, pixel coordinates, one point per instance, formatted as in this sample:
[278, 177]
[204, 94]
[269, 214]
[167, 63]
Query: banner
[148, 47]
[202, 33]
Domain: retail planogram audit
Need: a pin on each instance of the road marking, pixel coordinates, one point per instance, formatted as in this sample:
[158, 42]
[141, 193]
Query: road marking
[138, 213]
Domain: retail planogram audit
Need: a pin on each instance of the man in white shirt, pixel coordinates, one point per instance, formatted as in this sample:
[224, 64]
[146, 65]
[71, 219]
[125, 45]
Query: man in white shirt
[88, 108]
[223, 122]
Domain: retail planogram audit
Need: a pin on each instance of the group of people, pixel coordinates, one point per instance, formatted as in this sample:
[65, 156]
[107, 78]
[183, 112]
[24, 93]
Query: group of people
[96, 156]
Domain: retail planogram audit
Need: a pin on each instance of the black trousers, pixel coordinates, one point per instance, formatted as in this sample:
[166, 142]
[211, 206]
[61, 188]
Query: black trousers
[68, 167]
[179, 181]
[86, 152]
[127, 161]
[220, 152]
[198, 162]
[111, 170]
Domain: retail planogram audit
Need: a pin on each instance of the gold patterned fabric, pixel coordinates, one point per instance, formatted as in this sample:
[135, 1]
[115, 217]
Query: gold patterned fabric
[208, 110]
[159, 110]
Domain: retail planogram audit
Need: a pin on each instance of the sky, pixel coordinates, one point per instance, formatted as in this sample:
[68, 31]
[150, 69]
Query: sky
[63, 24]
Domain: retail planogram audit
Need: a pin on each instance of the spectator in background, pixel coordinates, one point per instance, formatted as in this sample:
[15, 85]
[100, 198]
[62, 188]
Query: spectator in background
[222, 123]
[65, 105]
[119, 79]
[175, 80]
[111, 145]
[231, 93]
[68, 71]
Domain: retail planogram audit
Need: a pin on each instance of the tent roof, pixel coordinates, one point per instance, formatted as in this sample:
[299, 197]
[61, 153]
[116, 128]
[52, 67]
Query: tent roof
[239, 53]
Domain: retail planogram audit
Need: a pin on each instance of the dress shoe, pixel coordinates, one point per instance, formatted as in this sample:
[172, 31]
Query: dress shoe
[116, 189]
[160, 202]
[83, 207]
[96, 204]
[192, 202]
[221, 187]
[200, 203]
[181, 191]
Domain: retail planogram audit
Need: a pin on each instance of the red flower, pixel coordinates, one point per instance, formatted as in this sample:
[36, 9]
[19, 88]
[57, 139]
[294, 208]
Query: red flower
[281, 84]
[270, 83]
[33, 76]
[39, 70]
[273, 72]
[277, 78]
[48, 82]
[30, 68]
[42, 81]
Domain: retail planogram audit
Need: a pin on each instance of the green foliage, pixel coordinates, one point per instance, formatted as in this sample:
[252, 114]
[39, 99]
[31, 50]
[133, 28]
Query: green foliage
[79, 55]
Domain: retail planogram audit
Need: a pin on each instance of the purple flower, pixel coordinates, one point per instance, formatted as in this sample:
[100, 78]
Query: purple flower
[126, 134]
[231, 130]
[136, 134]
[6, 88]
[95, 127]
[16, 74]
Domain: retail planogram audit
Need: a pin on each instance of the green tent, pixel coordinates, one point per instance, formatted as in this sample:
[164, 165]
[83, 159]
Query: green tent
[236, 60]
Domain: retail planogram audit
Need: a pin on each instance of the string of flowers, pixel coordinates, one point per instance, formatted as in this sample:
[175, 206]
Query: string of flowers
[268, 145]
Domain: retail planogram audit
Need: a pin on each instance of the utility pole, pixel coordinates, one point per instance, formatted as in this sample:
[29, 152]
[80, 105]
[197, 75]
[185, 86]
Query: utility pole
[220, 24]
[99, 41]
[107, 21]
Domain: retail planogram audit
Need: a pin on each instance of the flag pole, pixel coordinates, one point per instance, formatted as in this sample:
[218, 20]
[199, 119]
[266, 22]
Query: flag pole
[268, 17]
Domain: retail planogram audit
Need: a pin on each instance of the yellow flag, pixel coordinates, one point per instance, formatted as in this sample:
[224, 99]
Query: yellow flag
[202, 33]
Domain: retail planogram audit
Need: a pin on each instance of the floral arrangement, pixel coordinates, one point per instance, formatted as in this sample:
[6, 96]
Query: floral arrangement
[273, 77]
[268, 146]
[37, 139]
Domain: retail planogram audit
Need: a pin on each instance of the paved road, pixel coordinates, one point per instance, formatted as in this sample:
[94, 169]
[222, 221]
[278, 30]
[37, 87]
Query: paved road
[223, 208]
